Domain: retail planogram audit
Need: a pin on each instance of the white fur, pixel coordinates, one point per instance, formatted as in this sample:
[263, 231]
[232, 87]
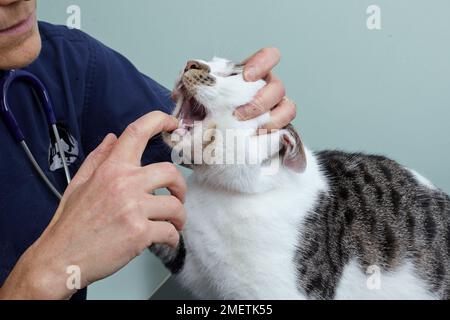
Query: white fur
[243, 226]
[242, 246]
[400, 284]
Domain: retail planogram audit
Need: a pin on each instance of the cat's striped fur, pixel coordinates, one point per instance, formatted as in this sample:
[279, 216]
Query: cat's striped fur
[379, 214]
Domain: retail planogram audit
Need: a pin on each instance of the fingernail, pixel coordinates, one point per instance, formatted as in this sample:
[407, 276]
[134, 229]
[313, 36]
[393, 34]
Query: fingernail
[241, 113]
[250, 74]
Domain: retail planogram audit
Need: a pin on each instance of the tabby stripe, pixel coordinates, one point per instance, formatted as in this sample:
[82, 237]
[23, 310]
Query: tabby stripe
[439, 273]
[349, 216]
[430, 226]
[387, 173]
[317, 282]
[379, 193]
[362, 200]
[396, 198]
[411, 223]
[368, 178]
[441, 204]
[343, 193]
[389, 245]
[340, 239]
[372, 222]
[425, 203]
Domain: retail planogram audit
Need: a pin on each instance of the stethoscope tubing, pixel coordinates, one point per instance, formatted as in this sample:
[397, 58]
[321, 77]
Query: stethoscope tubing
[43, 99]
[39, 170]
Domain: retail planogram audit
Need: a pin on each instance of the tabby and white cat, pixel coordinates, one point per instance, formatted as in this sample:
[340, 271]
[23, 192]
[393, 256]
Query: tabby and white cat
[326, 225]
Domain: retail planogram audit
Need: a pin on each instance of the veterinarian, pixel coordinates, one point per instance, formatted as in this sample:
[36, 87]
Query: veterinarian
[106, 216]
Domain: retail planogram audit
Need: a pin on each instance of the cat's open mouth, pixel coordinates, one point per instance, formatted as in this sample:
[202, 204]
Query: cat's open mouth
[191, 110]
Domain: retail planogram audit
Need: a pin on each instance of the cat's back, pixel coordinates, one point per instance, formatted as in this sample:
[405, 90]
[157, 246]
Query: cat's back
[376, 214]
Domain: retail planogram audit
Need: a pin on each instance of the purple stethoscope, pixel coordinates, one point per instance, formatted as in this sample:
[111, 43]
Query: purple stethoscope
[43, 100]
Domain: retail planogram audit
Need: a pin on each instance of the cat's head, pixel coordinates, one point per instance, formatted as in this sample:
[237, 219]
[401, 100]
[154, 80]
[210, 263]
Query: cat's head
[207, 95]
[210, 88]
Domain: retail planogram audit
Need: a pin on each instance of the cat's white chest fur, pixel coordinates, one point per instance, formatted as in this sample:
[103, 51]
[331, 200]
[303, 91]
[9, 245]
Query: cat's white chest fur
[247, 244]
[242, 246]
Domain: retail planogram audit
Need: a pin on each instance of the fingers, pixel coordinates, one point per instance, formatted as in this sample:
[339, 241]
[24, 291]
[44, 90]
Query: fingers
[131, 144]
[165, 208]
[92, 162]
[269, 98]
[162, 232]
[281, 115]
[264, 101]
[163, 175]
[261, 63]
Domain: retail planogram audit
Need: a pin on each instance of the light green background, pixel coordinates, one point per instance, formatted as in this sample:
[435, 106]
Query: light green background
[385, 91]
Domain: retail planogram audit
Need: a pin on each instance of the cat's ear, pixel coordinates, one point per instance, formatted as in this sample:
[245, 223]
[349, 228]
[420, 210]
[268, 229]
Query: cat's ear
[292, 153]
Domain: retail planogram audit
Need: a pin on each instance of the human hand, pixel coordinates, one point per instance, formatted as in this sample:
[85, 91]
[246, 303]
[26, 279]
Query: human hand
[107, 216]
[272, 96]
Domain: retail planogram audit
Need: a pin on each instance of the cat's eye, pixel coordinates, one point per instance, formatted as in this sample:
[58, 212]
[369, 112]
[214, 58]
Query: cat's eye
[228, 74]
[233, 69]
[237, 70]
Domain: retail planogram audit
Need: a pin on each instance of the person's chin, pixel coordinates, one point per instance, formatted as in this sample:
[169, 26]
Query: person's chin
[21, 53]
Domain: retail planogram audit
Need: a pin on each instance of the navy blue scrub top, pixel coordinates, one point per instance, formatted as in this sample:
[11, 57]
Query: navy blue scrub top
[95, 90]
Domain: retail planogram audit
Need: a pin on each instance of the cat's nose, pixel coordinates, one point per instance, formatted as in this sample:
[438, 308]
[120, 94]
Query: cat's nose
[195, 65]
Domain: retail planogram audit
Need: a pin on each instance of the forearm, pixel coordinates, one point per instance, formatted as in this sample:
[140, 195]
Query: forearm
[32, 280]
